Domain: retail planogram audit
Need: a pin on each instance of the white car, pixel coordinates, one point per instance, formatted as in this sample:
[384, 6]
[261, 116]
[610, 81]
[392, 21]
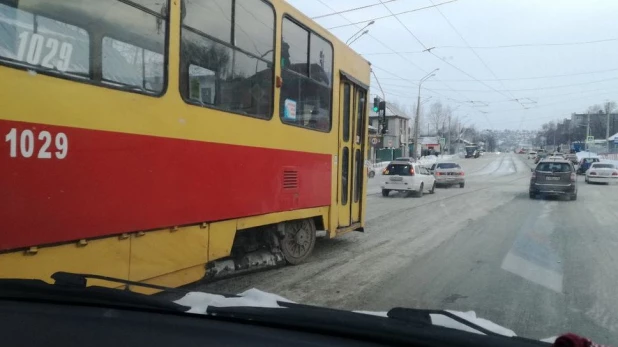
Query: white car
[404, 176]
[531, 155]
[600, 172]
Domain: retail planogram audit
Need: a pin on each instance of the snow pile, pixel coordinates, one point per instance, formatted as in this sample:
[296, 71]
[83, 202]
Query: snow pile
[431, 159]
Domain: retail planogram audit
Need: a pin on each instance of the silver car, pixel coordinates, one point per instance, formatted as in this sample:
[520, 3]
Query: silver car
[448, 174]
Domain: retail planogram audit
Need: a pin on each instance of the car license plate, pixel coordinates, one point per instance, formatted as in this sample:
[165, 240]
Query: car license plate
[551, 178]
[395, 179]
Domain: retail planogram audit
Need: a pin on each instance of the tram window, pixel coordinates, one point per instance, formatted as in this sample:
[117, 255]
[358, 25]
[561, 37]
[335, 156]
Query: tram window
[306, 92]
[213, 17]
[58, 38]
[42, 42]
[215, 73]
[321, 60]
[250, 15]
[130, 65]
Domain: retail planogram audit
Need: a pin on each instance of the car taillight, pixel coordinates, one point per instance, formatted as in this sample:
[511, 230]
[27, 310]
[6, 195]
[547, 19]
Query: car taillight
[573, 177]
[384, 172]
[438, 173]
[533, 174]
[461, 173]
[614, 173]
[411, 172]
[592, 173]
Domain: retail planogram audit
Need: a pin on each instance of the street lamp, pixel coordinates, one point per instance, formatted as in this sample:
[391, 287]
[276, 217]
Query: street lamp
[356, 33]
[418, 107]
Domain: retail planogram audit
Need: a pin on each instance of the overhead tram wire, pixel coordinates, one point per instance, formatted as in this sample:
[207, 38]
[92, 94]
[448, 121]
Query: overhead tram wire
[401, 56]
[522, 89]
[374, 38]
[533, 77]
[473, 51]
[391, 15]
[429, 50]
[348, 10]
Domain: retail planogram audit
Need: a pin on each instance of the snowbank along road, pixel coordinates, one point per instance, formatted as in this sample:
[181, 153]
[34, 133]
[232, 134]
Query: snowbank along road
[539, 267]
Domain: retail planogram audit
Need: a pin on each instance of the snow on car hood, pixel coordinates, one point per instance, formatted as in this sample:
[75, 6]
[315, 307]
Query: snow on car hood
[199, 302]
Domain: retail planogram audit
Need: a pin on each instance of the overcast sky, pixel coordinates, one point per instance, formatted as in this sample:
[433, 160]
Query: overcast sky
[588, 71]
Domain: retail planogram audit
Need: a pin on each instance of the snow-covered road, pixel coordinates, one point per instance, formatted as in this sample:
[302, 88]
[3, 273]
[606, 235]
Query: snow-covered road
[539, 267]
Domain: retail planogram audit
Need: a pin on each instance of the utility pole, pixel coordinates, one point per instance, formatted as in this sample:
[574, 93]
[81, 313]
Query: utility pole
[448, 139]
[608, 112]
[607, 128]
[418, 109]
[587, 131]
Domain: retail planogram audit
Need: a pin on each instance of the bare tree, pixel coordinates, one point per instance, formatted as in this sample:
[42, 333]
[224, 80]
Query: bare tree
[436, 115]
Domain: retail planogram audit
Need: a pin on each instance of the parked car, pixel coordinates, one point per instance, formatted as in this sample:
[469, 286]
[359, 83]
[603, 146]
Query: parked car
[585, 163]
[407, 177]
[448, 174]
[531, 155]
[371, 171]
[602, 173]
[553, 177]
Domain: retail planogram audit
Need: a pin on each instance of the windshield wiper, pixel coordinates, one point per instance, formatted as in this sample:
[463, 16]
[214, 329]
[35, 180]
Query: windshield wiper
[409, 326]
[71, 289]
[401, 326]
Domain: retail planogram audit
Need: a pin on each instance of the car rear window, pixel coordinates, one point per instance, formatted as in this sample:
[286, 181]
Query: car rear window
[554, 167]
[448, 166]
[603, 166]
[398, 169]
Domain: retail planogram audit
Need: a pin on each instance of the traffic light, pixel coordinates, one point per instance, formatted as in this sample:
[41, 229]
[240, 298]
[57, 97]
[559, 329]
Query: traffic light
[376, 102]
[382, 113]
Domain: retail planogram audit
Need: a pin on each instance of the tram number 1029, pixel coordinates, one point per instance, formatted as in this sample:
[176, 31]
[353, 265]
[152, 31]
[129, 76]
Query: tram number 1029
[24, 144]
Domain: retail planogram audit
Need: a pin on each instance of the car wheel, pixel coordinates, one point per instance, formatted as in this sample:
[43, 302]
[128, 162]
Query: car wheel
[586, 180]
[461, 185]
[420, 190]
[385, 192]
[532, 195]
[433, 188]
[574, 197]
[371, 174]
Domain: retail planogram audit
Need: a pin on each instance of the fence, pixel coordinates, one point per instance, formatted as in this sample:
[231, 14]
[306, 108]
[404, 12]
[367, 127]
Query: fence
[388, 154]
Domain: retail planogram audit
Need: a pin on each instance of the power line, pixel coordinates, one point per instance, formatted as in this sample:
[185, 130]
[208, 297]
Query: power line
[401, 56]
[530, 45]
[442, 59]
[536, 44]
[517, 90]
[530, 78]
[400, 22]
[391, 15]
[348, 10]
[374, 38]
[472, 49]
[415, 37]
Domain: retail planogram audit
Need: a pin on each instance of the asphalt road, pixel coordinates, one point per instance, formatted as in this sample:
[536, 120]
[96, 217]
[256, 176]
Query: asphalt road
[538, 267]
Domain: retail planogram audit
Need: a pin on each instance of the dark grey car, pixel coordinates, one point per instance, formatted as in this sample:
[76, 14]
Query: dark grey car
[554, 177]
